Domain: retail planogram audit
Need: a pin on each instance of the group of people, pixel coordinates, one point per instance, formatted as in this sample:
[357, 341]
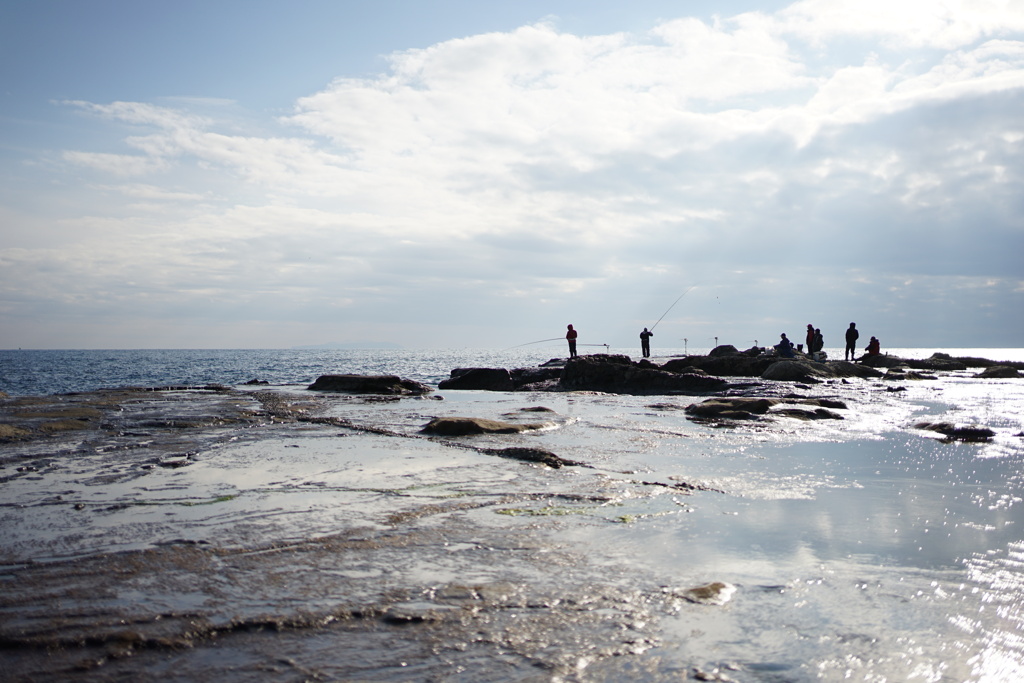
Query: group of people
[815, 343]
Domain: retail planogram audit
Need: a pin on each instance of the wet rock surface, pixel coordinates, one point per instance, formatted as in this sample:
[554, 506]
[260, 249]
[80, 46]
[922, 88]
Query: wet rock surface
[259, 533]
[141, 561]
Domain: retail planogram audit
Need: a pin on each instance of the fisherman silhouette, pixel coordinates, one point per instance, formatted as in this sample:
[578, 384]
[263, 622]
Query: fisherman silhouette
[852, 335]
[645, 342]
[785, 347]
[570, 336]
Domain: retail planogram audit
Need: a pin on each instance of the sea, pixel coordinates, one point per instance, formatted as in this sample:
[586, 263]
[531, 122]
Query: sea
[859, 549]
[42, 372]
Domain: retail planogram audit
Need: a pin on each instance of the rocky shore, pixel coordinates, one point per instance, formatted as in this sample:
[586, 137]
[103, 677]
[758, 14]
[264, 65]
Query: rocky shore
[367, 527]
[696, 375]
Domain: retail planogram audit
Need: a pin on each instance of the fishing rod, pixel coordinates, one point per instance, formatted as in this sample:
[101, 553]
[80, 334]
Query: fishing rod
[671, 307]
[552, 339]
[539, 341]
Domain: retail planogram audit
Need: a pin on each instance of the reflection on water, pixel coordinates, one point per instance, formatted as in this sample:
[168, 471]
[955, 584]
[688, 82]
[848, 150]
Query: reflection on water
[997, 578]
[861, 549]
[864, 551]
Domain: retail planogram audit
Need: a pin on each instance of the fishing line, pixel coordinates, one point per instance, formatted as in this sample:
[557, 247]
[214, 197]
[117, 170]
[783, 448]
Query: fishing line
[539, 341]
[552, 339]
[671, 307]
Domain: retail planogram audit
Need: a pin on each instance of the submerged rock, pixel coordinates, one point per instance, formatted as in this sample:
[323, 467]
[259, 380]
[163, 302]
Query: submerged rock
[369, 384]
[749, 408]
[538, 455]
[715, 593]
[816, 414]
[951, 431]
[732, 408]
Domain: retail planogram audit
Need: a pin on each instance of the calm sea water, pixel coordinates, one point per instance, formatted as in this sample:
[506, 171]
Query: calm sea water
[35, 372]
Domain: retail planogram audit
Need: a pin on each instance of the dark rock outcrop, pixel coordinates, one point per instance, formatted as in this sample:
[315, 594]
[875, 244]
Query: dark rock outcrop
[500, 379]
[881, 361]
[938, 361]
[487, 379]
[522, 377]
[789, 370]
[619, 375]
[973, 362]
[370, 384]
[998, 372]
[723, 365]
[796, 371]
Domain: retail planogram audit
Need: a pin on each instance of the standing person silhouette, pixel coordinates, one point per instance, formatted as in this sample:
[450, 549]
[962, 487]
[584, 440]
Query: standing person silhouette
[570, 336]
[810, 339]
[852, 335]
[645, 343]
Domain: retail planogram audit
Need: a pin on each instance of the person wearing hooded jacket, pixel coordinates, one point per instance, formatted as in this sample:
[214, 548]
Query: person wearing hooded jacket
[570, 336]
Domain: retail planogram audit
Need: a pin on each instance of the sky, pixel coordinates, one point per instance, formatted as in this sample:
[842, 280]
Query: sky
[459, 174]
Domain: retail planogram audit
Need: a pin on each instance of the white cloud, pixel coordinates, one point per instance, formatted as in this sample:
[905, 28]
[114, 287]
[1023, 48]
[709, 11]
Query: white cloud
[117, 164]
[535, 167]
[937, 24]
[156, 193]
